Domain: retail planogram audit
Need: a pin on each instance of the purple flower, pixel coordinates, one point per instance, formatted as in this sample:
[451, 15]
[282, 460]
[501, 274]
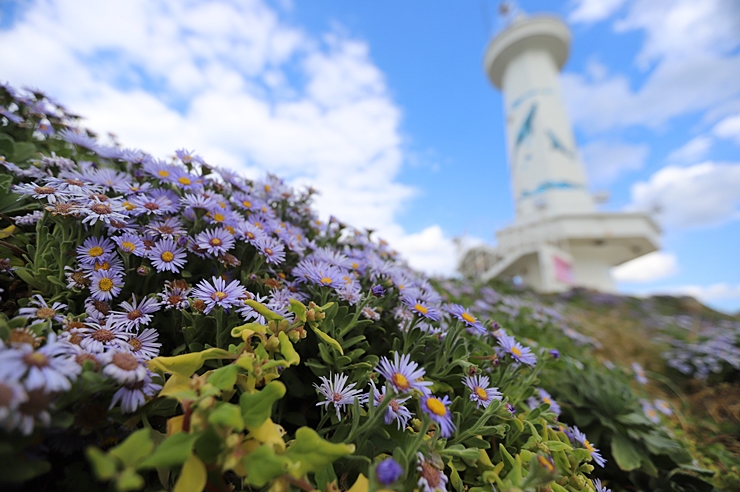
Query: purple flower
[462, 314]
[517, 351]
[422, 308]
[431, 478]
[403, 374]
[595, 453]
[337, 393]
[215, 241]
[124, 367]
[395, 410]
[218, 293]
[133, 395]
[135, 314]
[437, 409]
[377, 290]
[480, 393]
[130, 243]
[167, 255]
[388, 471]
[49, 368]
[271, 249]
[94, 249]
[106, 284]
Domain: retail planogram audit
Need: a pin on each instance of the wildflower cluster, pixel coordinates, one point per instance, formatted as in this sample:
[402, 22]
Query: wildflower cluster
[209, 331]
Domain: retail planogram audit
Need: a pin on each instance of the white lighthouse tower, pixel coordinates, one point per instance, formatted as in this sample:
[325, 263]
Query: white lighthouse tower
[558, 239]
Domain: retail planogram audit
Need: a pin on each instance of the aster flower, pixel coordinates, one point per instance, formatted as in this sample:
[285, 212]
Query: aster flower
[159, 169]
[105, 285]
[166, 255]
[431, 478]
[41, 192]
[395, 409]
[650, 412]
[130, 243]
[599, 487]
[595, 453]
[215, 241]
[199, 200]
[114, 265]
[168, 227]
[403, 374]
[94, 249]
[218, 293]
[545, 397]
[388, 471]
[639, 373]
[96, 310]
[337, 392]
[48, 368]
[189, 157]
[437, 409]
[29, 219]
[40, 311]
[98, 338]
[480, 393]
[107, 211]
[462, 314]
[131, 396]
[517, 351]
[124, 367]
[271, 249]
[421, 307]
[182, 179]
[249, 232]
[143, 346]
[663, 407]
[135, 314]
[13, 394]
[175, 294]
[145, 204]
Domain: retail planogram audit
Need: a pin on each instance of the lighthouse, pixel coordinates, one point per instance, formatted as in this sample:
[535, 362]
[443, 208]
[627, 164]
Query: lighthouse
[558, 239]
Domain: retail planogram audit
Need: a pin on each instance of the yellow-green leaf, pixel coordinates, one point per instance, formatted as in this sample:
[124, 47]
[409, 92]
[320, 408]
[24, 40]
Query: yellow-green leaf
[311, 453]
[298, 308]
[262, 465]
[247, 330]
[269, 433]
[263, 310]
[287, 350]
[193, 476]
[186, 364]
[228, 415]
[362, 484]
[104, 465]
[329, 340]
[224, 378]
[135, 448]
[129, 480]
[257, 407]
[172, 452]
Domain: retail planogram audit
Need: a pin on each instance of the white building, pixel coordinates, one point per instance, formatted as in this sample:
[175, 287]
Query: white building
[558, 239]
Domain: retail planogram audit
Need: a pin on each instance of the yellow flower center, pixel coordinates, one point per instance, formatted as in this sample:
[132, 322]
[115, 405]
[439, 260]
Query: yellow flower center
[355, 265]
[105, 284]
[167, 256]
[95, 251]
[326, 280]
[102, 266]
[436, 407]
[546, 463]
[515, 350]
[268, 188]
[588, 446]
[269, 252]
[247, 203]
[219, 217]
[184, 181]
[215, 242]
[128, 205]
[218, 296]
[469, 318]
[400, 381]
[481, 393]
[45, 313]
[420, 308]
[163, 174]
[128, 246]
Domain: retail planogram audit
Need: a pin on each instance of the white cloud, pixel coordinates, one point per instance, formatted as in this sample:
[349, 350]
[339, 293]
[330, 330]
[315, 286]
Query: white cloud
[728, 128]
[694, 67]
[606, 160]
[693, 150]
[238, 84]
[700, 195]
[713, 292]
[589, 11]
[652, 266]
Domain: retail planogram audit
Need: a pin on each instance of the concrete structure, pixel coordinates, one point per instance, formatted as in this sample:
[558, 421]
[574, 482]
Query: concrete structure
[558, 239]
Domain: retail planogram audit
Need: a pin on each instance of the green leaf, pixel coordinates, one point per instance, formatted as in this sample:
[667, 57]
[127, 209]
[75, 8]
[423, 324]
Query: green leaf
[172, 452]
[7, 146]
[129, 480]
[224, 378]
[134, 448]
[262, 465]
[298, 308]
[263, 310]
[185, 365]
[329, 340]
[287, 350]
[23, 151]
[227, 415]
[625, 453]
[104, 466]
[192, 477]
[257, 407]
[557, 446]
[311, 453]
[634, 418]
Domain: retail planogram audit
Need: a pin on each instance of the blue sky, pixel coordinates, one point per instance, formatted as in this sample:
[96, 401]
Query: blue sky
[384, 107]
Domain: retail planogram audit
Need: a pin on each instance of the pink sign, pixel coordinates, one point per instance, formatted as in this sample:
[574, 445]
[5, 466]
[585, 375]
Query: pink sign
[563, 270]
